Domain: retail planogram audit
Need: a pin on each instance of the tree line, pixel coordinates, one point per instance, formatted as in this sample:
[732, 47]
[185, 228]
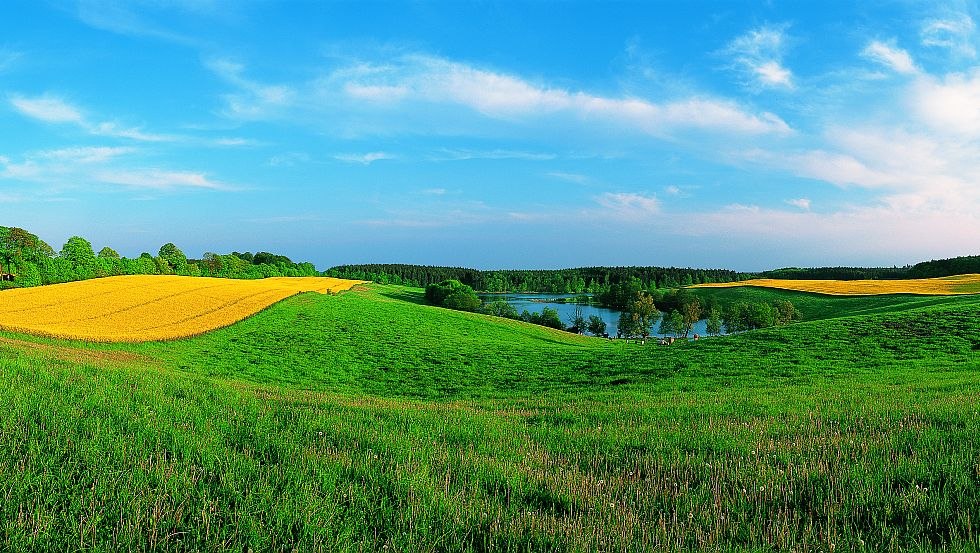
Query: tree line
[600, 281]
[26, 260]
[583, 280]
[927, 269]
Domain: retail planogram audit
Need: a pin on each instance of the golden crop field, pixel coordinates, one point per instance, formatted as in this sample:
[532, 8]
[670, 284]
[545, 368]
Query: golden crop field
[147, 307]
[960, 284]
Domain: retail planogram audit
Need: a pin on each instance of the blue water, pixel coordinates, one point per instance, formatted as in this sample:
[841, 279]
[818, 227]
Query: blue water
[535, 303]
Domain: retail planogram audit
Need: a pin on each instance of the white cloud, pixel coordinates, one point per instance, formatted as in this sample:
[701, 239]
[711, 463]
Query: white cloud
[457, 154]
[159, 179]
[85, 154]
[116, 131]
[774, 74]
[954, 33]
[365, 159]
[289, 159]
[434, 191]
[285, 219]
[629, 205]
[950, 104]
[399, 85]
[473, 213]
[138, 18]
[758, 54]
[802, 203]
[254, 100]
[570, 177]
[908, 172]
[493, 94]
[890, 56]
[234, 142]
[48, 109]
[88, 166]
[51, 109]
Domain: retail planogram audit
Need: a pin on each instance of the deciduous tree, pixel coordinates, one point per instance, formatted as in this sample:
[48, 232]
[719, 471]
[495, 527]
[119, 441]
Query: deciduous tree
[691, 313]
[714, 320]
[175, 258]
[596, 326]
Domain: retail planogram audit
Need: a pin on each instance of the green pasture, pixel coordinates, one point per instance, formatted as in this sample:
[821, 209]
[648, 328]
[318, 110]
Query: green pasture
[368, 421]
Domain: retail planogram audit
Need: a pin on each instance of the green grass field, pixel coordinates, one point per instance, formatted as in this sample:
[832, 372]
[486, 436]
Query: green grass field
[369, 422]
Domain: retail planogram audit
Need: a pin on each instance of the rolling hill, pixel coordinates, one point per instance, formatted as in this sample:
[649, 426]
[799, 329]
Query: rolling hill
[369, 421]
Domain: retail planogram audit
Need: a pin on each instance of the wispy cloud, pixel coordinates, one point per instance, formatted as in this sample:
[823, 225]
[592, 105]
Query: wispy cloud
[289, 159]
[758, 54]
[397, 86]
[629, 205]
[8, 58]
[52, 109]
[364, 159]
[233, 142]
[159, 179]
[570, 177]
[85, 154]
[48, 109]
[802, 203]
[458, 154]
[279, 219]
[504, 96]
[137, 18]
[253, 100]
[101, 165]
[890, 56]
[955, 33]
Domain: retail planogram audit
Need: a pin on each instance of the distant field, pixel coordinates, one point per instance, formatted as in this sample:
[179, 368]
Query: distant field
[960, 284]
[148, 307]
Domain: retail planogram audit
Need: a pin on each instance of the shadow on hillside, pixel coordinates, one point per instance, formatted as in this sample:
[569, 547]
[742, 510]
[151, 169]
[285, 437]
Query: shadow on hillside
[403, 295]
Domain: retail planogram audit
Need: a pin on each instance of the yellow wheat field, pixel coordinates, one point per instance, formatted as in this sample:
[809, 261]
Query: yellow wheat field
[150, 307]
[960, 284]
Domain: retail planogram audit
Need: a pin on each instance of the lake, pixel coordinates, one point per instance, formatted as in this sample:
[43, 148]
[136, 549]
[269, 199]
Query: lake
[535, 303]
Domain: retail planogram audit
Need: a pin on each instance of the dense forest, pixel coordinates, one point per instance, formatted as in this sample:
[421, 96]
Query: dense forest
[927, 269]
[946, 267]
[601, 280]
[590, 280]
[26, 260]
[838, 273]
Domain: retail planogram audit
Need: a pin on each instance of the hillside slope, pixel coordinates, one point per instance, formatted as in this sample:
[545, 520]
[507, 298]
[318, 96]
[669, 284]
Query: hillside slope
[369, 422]
[382, 341]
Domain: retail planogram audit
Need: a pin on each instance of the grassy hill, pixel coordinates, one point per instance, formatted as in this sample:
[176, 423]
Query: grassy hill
[368, 421]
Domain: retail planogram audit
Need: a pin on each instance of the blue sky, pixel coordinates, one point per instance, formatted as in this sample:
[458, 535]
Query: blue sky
[497, 134]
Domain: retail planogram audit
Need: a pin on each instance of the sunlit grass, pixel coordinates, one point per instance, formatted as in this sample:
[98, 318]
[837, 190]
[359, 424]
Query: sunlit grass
[365, 422]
